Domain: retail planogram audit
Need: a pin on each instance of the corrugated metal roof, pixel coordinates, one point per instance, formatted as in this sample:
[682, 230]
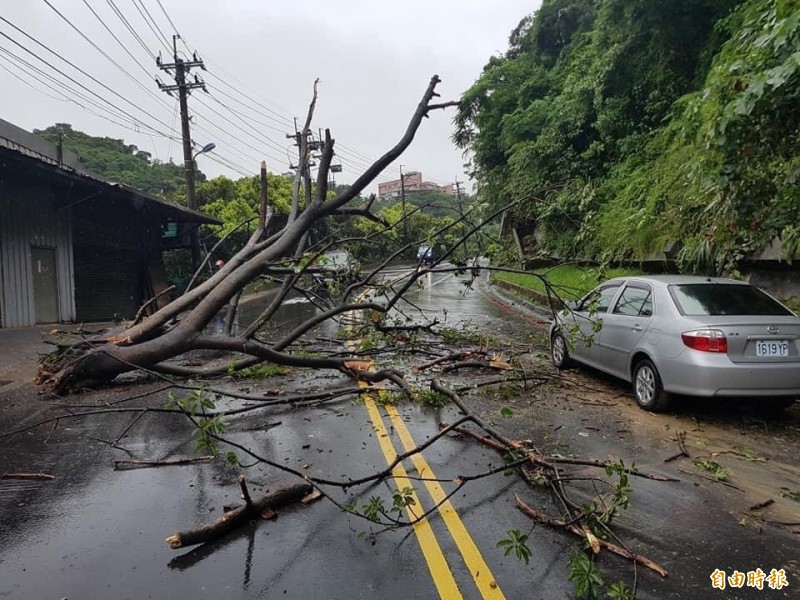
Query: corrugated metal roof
[46, 154]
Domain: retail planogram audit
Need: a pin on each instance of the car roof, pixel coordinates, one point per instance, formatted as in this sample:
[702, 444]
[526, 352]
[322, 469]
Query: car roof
[679, 279]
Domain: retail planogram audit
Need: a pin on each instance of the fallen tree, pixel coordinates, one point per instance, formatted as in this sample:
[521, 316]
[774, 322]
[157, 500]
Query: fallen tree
[178, 327]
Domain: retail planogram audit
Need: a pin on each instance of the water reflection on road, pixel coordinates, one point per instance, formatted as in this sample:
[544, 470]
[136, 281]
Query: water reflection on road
[445, 295]
[453, 298]
[292, 312]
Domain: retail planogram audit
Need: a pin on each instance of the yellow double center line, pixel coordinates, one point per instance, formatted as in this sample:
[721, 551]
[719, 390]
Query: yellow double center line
[437, 563]
[438, 566]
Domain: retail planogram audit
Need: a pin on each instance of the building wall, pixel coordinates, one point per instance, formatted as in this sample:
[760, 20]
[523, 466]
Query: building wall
[110, 259]
[388, 189]
[449, 189]
[30, 219]
[413, 183]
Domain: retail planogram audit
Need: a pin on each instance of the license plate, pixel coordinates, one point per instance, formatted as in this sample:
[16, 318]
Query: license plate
[772, 348]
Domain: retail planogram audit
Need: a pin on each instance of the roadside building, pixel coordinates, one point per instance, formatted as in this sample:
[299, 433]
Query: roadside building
[74, 247]
[412, 182]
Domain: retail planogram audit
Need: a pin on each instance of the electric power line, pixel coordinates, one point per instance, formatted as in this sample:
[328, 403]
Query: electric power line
[28, 83]
[124, 71]
[135, 35]
[281, 129]
[67, 98]
[113, 35]
[96, 47]
[83, 72]
[247, 127]
[73, 92]
[148, 19]
[362, 159]
[242, 142]
[174, 28]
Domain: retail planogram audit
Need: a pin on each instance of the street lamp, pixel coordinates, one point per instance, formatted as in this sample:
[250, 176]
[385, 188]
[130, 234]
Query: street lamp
[207, 148]
[191, 198]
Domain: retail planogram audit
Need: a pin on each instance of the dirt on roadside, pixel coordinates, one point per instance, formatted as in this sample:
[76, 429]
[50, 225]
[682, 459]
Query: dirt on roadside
[737, 502]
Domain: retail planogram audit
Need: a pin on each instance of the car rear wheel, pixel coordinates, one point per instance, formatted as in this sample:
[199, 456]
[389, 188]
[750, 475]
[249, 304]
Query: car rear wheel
[647, 387]
[559, 351]
[777, 405]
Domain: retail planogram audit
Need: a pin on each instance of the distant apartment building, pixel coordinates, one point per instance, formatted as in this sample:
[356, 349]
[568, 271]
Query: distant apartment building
[413, 183]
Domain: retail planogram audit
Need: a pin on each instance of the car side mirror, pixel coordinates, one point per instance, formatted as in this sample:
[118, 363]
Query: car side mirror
[571, 305]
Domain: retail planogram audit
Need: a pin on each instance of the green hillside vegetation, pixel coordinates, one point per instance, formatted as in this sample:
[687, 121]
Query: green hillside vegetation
[120, 162]
[436, 203]
[647, 122]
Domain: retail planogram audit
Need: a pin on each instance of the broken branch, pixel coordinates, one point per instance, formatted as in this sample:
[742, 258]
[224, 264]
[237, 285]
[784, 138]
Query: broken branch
[543, 519]
[144, 464]
[550, 461]
[245, 492]
[681, 439]
[238, 517]
[454, 356]
[28, 476]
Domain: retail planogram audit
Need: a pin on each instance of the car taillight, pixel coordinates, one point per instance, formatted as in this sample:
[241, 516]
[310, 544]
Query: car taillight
[706, 340]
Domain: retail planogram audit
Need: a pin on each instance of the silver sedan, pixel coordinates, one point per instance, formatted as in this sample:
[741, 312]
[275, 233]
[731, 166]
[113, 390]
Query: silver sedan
[689, 335]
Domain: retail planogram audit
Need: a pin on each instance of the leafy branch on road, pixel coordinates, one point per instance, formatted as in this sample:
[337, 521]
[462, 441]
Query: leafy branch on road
[590, 520]
[224, 404]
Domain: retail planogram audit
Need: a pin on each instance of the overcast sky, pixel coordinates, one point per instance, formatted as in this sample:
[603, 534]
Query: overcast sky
[374, 60]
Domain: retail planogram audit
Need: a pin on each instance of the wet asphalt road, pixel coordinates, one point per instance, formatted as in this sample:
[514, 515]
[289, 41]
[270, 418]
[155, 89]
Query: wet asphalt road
[96, 532]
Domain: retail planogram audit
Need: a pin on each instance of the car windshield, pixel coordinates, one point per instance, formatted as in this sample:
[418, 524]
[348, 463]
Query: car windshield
[709, 299]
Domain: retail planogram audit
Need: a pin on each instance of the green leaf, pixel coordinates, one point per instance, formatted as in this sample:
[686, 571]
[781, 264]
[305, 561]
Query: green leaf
[517, 544]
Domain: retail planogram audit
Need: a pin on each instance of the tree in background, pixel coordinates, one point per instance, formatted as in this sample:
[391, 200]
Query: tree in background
[722, 175]
[236, 203]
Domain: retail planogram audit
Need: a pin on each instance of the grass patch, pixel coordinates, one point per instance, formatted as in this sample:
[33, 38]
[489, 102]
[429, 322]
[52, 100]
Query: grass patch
[569, 281]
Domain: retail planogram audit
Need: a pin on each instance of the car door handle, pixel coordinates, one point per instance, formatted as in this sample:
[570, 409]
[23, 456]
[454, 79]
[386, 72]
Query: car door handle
[637, 327]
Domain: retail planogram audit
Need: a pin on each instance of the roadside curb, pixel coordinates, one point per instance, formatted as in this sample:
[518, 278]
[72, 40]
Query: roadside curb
[521, 304]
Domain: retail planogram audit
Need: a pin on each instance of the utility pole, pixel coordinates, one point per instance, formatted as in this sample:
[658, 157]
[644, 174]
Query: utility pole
[304, 163]
[403, 198]
[181, 70]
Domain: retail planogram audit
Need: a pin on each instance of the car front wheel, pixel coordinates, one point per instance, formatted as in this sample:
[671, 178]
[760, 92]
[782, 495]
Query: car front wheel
[647, 387]
[559, 352]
